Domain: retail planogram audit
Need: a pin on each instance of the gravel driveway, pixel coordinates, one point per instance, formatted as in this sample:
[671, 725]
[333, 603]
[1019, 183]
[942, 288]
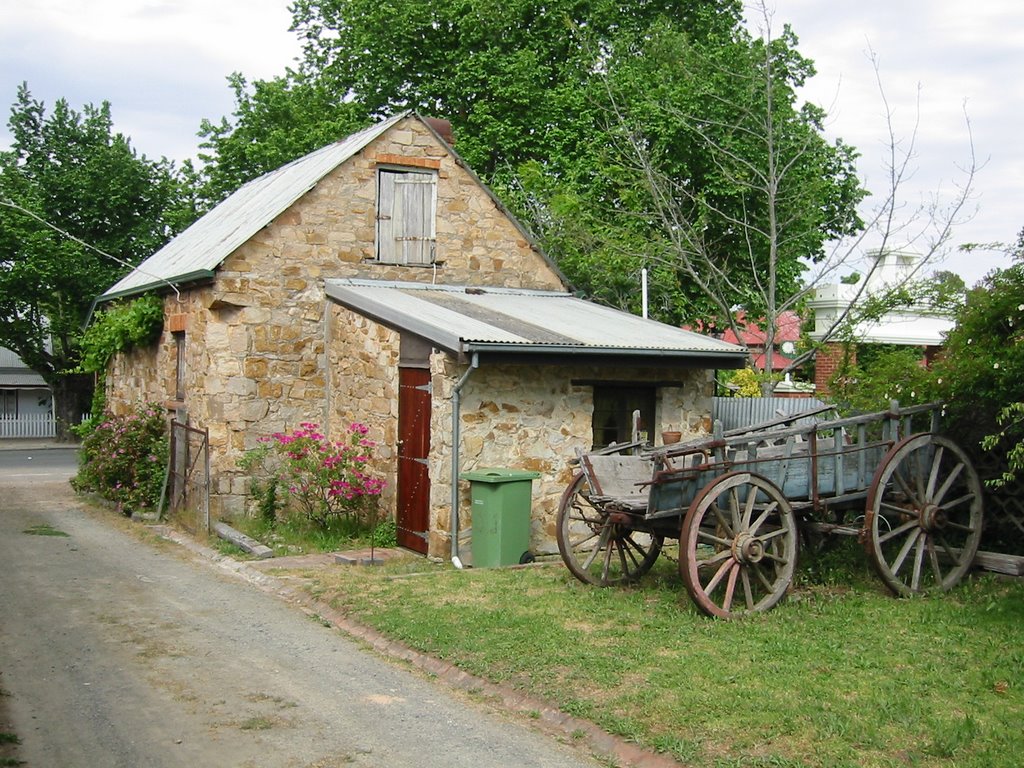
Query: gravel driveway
[121, 652]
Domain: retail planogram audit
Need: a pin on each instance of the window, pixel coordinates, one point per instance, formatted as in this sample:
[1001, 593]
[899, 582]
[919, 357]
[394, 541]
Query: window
[613, 412]
[406, 208]
[8, 402]
[179, 366]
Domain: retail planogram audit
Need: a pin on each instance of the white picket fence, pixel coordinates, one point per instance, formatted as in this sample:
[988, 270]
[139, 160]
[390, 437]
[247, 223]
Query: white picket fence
[32, 425]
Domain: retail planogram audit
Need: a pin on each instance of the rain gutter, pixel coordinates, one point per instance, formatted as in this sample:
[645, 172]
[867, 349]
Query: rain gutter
[172, 282]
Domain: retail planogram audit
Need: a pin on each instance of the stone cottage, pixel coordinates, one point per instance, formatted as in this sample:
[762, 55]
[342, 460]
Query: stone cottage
[378, 280]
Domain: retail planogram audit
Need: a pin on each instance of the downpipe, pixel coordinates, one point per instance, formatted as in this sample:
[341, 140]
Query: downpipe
[453, 523]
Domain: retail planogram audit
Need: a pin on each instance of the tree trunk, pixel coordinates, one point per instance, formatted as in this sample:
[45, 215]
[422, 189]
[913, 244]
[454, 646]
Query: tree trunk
[72, 398]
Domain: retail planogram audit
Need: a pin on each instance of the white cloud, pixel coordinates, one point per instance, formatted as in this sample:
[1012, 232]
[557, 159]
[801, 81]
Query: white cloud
[162, 64]
[941, 62]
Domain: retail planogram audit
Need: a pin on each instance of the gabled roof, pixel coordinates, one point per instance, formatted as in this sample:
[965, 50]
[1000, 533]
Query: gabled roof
[204, 246]
[520, 325]
[197, 252]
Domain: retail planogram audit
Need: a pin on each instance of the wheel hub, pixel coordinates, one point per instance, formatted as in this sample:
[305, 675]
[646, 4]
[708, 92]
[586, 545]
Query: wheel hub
[933, 518]
[747, 549]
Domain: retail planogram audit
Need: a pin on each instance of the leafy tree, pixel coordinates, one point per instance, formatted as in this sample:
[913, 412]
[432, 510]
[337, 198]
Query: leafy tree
[512, 76]
[78, 206]
[880, 373]
[710, 163]
[769, 194]
[981, 378]
[982, 367]
[274, 122]
[529, 86]
[657, 134]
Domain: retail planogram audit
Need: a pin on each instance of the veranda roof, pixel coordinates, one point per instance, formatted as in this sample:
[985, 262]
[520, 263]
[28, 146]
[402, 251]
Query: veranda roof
[521, 325]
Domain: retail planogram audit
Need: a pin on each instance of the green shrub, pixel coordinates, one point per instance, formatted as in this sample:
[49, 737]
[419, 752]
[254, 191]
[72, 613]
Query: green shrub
[320, 479]
[124, 459]
[883, 373]
[385, 534]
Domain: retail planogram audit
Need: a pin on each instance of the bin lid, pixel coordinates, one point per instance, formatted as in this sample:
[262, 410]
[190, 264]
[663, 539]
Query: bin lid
[499, 475]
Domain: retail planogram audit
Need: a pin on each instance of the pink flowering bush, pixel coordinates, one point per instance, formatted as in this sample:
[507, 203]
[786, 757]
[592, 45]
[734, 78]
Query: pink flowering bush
[325, 480]
[124, 458]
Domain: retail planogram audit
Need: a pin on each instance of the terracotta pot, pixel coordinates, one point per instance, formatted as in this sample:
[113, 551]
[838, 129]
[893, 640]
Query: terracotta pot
[671, 437]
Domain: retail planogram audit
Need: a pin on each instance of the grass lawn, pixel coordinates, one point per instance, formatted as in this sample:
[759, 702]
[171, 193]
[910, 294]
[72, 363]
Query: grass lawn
[841, 674]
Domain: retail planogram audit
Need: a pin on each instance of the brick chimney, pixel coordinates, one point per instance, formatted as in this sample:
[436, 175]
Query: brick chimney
[442, 128]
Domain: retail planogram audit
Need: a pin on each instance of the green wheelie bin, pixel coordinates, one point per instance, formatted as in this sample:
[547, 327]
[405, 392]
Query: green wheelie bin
[501, 515]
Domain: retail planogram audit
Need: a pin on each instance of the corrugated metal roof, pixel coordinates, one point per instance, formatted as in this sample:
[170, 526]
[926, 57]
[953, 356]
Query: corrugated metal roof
[464, 319]
[24, 378]
[9, 359]
[14, 372]
[203, 247]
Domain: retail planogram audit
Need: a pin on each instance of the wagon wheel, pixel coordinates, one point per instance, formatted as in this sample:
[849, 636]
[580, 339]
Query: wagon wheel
[923, 520]
[597, 548]
[739, 546]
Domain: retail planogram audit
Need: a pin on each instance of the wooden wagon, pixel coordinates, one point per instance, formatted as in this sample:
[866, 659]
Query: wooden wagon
[741, 502]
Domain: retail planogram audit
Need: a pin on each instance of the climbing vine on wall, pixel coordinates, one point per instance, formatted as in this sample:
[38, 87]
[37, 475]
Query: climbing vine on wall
[119, 328]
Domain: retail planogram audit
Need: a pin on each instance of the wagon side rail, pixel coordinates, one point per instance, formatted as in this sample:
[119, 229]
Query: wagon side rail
[794, 457]
[817, 466]
[896, 423]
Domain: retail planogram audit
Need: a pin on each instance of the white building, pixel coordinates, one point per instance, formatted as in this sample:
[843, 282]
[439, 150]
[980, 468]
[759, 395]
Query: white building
[919, 325]
[22, 391]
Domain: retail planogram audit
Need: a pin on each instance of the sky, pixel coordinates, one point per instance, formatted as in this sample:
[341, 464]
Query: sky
[163, 64]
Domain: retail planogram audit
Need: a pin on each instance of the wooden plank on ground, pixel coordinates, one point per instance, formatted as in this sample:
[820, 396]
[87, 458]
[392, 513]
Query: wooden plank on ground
[1000, 563]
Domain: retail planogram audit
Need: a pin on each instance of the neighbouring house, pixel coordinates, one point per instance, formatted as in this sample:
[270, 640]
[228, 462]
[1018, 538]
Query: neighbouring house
[919, 325]
[751, 335]
[378, 280]
[26, 403]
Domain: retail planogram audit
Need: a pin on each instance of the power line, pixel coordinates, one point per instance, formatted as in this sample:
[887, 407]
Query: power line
[80, 241]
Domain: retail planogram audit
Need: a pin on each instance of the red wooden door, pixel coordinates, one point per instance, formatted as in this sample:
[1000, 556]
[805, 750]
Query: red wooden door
[413, 514]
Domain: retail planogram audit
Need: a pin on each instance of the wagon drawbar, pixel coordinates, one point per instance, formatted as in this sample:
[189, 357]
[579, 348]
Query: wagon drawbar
[741, 502]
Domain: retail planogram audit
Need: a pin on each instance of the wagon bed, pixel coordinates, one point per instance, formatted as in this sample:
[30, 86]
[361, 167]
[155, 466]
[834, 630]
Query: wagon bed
[739, 502]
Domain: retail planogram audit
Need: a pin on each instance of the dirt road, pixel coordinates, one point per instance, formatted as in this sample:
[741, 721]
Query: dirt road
[116, 652]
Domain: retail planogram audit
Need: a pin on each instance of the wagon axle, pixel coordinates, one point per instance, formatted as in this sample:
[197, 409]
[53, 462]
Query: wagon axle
[933, 518]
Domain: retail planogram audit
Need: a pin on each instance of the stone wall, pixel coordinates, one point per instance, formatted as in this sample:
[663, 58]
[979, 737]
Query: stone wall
[149, 375]
[536, 418]
[257, 359]
[135, 378]
[362, 365]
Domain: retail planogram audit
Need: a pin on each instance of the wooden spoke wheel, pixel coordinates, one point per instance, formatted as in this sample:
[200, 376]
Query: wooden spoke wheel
[598, 546]
[738, 546]
[923, 520]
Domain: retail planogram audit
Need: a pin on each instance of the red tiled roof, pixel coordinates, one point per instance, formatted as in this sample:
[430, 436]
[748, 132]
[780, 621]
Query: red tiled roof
[750, 335]
[779, 361]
